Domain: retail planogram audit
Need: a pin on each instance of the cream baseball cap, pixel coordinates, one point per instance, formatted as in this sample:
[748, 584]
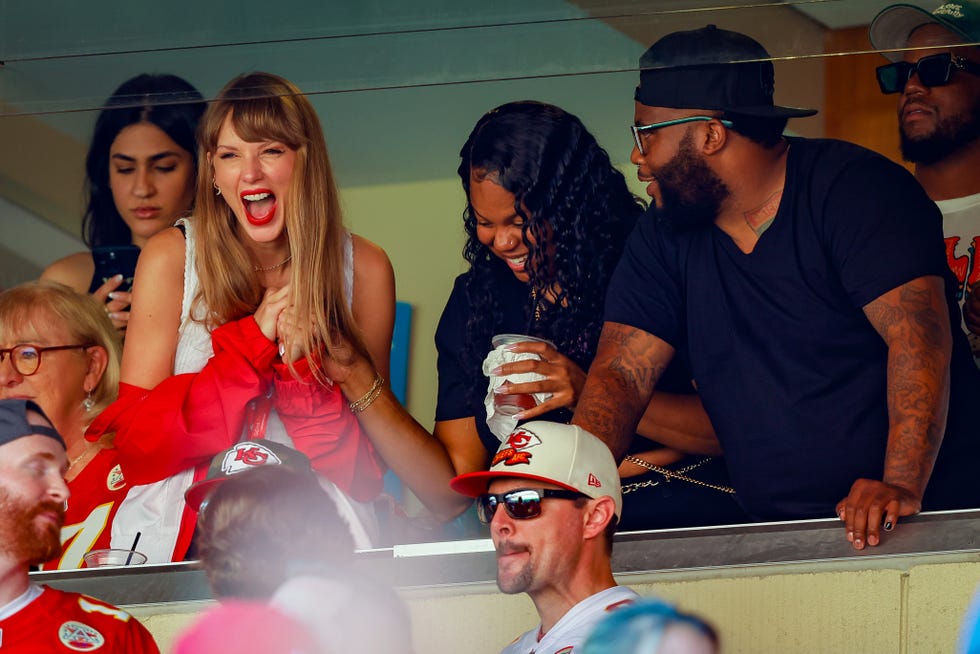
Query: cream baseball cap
[552, 452]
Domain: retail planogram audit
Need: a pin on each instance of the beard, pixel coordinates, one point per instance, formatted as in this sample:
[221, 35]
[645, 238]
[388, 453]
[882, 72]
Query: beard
[949, 135]
[22, 538]
[508, 581]
[691, 193]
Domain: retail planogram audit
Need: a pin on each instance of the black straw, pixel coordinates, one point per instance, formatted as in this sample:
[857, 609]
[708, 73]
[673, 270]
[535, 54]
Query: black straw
[132, 549]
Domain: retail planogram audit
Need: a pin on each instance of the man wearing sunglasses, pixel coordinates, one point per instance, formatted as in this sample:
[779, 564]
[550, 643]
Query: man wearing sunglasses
[807, 282]
[552, 499]
[938, 87]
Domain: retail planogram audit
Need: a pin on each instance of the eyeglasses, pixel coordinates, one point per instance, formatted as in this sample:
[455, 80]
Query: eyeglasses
[934, 70]
[521, 504]
[26, 359]
[644, 129]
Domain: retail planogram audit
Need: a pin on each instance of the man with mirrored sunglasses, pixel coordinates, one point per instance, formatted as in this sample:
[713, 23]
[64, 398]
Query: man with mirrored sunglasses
[552, 499]
[938, 80]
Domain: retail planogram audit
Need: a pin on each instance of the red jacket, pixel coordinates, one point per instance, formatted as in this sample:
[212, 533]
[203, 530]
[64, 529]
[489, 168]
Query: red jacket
[189, 418]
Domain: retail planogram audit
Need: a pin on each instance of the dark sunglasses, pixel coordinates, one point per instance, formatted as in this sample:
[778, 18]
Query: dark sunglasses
[521, 504]
[934, 70]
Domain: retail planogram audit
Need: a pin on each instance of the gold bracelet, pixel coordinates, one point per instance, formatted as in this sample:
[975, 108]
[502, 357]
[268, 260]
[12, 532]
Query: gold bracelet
[368, 398]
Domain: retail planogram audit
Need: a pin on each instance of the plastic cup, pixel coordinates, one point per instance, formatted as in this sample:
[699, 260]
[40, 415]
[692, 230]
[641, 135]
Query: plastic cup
[509, 404]
[107, 558]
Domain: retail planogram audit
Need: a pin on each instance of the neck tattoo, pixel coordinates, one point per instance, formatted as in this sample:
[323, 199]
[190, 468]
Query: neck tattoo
[760, 218]
[275, 267]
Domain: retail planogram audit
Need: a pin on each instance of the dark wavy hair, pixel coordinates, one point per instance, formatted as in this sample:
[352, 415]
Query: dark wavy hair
[166, 101]
[576, 207]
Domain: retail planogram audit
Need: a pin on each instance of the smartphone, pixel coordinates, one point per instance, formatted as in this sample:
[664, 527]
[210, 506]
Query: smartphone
[113, 260]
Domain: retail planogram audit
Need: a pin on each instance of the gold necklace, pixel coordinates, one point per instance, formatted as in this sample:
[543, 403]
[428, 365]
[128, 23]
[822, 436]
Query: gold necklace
[275, 267]
[91, 446]
[537, 305]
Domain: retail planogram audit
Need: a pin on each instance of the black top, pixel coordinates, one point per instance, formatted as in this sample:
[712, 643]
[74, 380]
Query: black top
[789, 369]
[463, 386]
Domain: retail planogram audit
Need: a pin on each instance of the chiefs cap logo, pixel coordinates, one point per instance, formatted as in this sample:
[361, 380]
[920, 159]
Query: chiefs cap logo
[247, 455]
[522, 439]
[515, 453]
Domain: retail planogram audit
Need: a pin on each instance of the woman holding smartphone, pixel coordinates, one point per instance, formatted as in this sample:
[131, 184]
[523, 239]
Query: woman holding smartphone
[235, 309]
[140, 172]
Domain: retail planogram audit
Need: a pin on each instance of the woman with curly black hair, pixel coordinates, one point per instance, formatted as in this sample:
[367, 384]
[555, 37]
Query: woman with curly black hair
[546, 221]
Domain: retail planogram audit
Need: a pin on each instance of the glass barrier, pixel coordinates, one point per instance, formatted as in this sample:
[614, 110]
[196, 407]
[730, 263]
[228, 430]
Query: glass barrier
[398, 86]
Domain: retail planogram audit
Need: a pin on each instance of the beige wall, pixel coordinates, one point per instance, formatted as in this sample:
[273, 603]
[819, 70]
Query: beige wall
[889, 606]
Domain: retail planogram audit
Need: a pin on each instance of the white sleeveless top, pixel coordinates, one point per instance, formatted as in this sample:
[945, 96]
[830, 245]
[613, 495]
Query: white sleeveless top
[159, 506]
[194, 343]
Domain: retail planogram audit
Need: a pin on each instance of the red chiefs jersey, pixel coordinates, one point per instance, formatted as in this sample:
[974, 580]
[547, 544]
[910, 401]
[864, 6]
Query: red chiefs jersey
[96, 494]
[57, 621]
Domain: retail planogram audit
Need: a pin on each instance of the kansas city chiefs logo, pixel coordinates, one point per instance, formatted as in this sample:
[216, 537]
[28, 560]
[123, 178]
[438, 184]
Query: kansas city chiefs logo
[517, 443]
[80, 637]
[114, 480]
[247, 455]
[522, 439]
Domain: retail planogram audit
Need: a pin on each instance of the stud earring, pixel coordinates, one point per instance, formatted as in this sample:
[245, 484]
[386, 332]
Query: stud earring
[88, 403]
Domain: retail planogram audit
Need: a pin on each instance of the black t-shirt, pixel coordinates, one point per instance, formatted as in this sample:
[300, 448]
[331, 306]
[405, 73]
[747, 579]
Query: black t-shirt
[789, 369]
[462, 386]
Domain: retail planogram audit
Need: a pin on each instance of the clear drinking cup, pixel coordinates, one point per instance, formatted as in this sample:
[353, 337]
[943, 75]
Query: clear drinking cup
[509, 404]
[107, 558]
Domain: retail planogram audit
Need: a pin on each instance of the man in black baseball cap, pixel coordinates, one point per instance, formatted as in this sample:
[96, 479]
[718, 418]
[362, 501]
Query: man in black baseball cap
[806, 280]
[934, 72]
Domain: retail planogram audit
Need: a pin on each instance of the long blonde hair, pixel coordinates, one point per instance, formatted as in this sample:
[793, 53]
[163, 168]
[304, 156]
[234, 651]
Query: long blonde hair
[263, 106]
[31, 304]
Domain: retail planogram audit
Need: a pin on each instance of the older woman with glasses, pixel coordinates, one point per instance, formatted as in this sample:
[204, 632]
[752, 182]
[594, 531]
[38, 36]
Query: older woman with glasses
[60, 350]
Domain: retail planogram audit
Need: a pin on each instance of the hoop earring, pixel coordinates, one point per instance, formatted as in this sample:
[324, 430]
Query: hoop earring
[217, 191]
[88, 403]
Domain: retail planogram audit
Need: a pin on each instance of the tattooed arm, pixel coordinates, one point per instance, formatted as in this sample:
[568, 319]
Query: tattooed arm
[627, 365]
[914, 322]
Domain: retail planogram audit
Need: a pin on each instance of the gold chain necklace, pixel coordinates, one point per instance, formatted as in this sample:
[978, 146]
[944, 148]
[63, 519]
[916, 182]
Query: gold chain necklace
[673, 474]
[275, 267]
[537, 305]
[91, 446]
